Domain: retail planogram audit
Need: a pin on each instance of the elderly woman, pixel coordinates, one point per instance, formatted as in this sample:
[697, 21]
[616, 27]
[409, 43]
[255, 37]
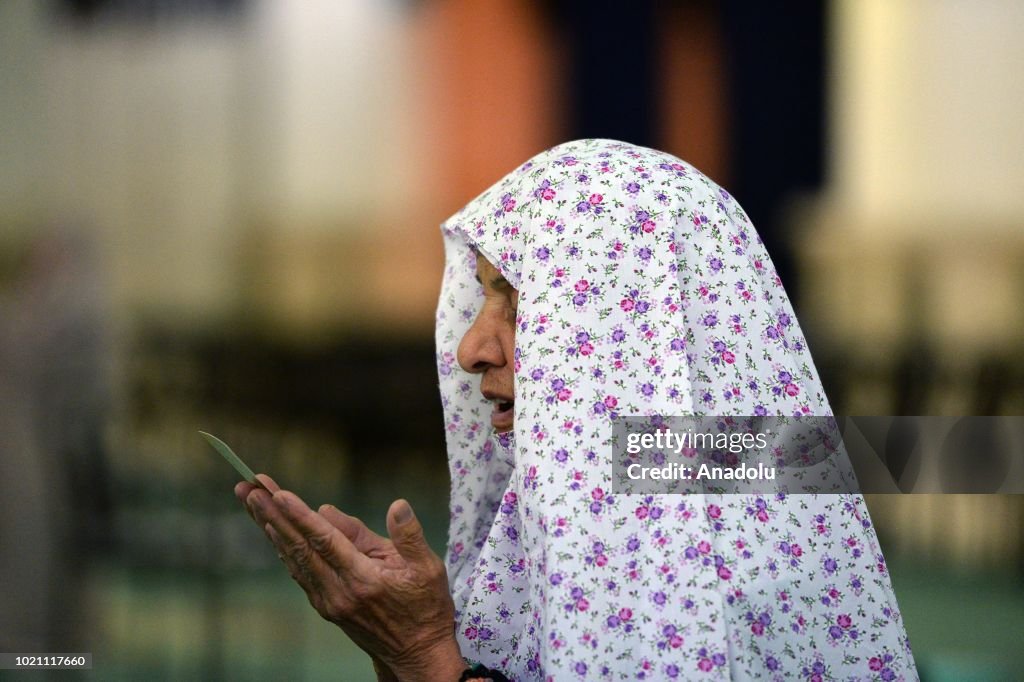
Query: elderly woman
[603, 279]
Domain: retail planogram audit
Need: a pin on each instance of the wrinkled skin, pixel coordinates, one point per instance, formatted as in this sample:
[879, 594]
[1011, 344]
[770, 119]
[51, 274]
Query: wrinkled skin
[390, 595]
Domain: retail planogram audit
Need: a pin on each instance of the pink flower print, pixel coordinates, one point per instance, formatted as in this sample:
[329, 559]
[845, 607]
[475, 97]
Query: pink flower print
[875, 663]
[648, 226]
[595, 199]
[611, 402]
[530, 481]
[582, 286]
[564, 394]
[792, 389]
[642, 512]
[844, 621]
[704, 547]
[729, 357]
[509, 204]
[714, 511]
[547, 194]
[724, 573]
[627, 304]
[759, 510]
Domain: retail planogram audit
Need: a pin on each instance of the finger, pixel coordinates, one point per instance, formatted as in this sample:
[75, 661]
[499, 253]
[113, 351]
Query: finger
[300, 524]
[256, 503]
[242, 490]
[361, 537]
[269, 483]
[407, 534]
[299, 571]
[304, 565]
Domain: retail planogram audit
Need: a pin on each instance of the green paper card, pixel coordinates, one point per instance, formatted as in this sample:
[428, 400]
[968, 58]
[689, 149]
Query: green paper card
[233, 459]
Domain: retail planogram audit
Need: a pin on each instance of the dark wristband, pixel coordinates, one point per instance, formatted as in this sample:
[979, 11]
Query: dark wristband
[480, 671]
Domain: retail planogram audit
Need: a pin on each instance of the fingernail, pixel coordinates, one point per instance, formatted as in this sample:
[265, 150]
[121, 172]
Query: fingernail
[404, 513]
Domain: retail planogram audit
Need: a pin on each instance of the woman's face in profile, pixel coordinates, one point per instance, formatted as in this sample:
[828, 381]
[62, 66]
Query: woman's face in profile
[489, 345]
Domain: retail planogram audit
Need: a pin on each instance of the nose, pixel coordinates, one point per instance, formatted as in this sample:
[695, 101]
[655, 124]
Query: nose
[480, 348]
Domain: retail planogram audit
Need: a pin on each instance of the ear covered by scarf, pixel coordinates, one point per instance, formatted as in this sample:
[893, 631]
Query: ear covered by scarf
[643, 290]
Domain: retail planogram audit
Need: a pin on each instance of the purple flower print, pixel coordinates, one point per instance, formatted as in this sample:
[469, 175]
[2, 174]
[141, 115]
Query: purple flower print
[645, 290]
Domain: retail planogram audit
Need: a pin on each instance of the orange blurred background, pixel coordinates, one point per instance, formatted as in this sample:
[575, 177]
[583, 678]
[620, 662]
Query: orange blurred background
[223, 215]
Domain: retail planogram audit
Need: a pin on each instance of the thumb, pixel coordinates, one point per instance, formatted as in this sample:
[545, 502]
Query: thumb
[407, 533]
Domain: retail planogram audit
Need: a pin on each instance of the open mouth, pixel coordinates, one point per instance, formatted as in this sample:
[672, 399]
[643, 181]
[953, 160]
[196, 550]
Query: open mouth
[503, 415]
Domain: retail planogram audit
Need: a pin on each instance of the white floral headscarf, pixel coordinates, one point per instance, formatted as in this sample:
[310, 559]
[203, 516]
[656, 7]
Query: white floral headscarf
[643, 289]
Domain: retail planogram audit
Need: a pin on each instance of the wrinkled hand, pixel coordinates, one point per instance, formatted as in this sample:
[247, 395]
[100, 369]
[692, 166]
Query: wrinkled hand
[389, 595]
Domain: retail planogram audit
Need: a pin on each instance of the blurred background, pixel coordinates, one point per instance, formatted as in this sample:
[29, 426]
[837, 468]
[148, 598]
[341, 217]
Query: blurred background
[223, 215]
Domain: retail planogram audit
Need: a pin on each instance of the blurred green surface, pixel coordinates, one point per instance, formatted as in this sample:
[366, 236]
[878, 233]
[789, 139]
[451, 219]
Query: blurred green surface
[254, 624]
